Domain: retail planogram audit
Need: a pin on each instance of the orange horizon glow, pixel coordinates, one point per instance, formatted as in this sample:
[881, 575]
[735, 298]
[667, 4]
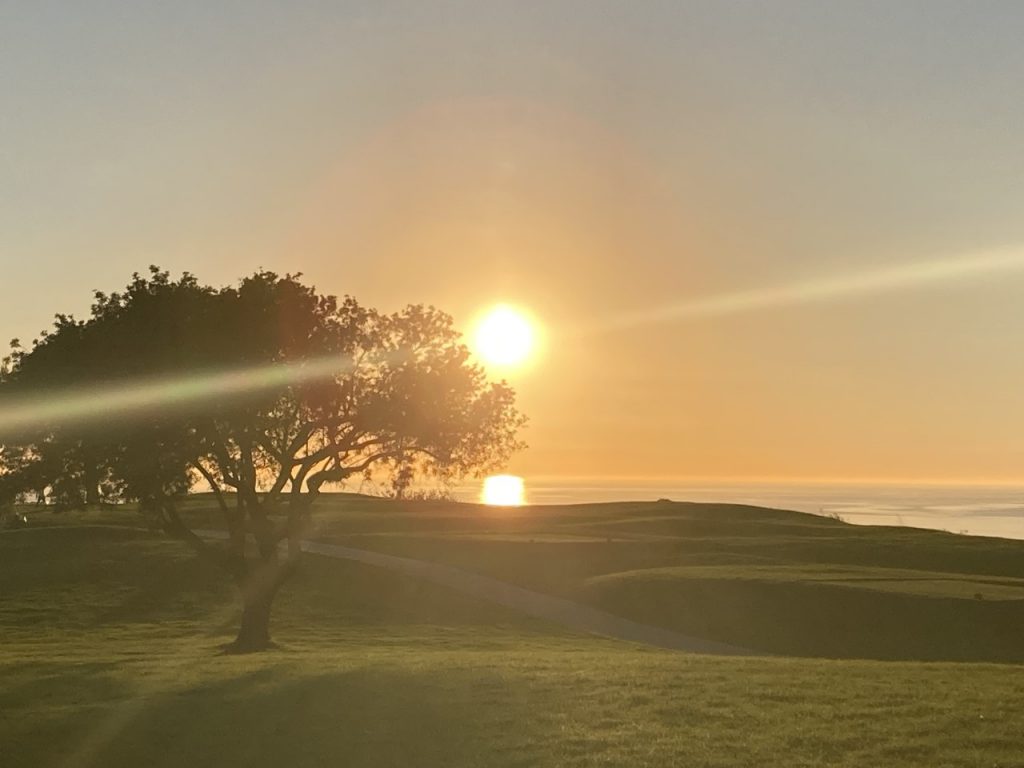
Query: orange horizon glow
[722, 278]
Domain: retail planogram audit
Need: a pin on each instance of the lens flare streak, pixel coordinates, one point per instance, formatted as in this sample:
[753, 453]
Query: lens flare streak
[814, 290]
[139, 396]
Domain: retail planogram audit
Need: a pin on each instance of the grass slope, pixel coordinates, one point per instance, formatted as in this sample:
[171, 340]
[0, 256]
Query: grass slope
[108, 659]
[777, 581]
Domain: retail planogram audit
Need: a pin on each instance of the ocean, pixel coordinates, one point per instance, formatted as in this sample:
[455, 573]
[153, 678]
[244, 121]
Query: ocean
[979, 510]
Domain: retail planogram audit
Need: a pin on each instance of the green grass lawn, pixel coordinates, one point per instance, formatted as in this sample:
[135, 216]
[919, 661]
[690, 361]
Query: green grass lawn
[110, 657]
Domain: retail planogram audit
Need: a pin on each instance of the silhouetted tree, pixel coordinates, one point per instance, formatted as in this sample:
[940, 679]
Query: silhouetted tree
[264, 393]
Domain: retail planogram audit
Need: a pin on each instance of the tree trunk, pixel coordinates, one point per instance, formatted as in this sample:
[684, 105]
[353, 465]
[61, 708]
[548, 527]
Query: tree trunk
[92, 484]
[254, 633]
[259, 589]
[261, 582]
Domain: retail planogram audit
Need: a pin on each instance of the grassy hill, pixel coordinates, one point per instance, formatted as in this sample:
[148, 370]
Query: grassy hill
[110, 635]
[776, 581]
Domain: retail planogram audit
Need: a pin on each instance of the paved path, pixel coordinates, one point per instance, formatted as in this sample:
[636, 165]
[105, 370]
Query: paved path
[568, 613]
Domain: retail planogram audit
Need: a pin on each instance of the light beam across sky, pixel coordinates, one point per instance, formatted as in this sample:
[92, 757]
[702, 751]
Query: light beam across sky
[125, 398]
[816, 290]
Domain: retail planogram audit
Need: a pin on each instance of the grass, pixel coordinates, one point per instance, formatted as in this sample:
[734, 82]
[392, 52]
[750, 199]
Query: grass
[109, 658]
[776, 581]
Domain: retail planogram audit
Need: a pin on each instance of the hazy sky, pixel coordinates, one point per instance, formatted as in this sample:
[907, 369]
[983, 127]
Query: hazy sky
[591, 161]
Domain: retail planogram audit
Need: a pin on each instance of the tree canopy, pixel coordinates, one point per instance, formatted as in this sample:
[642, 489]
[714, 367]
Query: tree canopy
[264, 393]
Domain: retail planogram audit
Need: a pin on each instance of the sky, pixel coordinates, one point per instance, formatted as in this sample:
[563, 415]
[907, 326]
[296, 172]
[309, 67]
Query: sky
[639, 176]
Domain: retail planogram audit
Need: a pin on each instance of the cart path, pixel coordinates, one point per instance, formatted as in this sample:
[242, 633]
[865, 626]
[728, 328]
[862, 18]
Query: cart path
[557, 610]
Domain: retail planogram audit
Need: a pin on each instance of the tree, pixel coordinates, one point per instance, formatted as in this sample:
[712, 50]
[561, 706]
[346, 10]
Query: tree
[264, 393]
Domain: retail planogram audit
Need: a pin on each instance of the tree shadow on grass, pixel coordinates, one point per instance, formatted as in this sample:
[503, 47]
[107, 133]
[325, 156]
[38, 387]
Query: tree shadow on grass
[365, 717]
[43, 681]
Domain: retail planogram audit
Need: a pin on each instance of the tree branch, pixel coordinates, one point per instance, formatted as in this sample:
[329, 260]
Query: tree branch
[174, 526]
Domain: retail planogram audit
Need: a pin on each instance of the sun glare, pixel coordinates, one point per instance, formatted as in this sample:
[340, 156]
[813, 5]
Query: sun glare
[504, 337]
[503, 491]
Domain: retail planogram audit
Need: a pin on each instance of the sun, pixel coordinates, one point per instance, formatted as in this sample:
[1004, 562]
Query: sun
[503, 491]
[504, 337]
